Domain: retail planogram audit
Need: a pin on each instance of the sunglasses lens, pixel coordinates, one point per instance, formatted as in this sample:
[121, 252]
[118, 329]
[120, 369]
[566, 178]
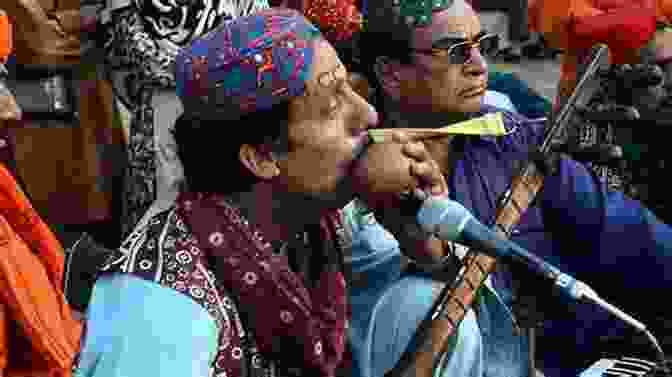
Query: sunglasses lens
[489, 45]
[460, 54]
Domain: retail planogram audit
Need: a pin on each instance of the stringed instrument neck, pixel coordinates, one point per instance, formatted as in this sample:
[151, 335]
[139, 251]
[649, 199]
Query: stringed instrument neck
[452, 306]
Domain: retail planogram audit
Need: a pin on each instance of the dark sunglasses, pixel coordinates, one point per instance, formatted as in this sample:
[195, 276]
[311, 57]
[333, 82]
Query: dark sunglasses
[460, 52]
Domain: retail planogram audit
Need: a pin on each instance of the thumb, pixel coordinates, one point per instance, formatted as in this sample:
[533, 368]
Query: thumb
[400, 137]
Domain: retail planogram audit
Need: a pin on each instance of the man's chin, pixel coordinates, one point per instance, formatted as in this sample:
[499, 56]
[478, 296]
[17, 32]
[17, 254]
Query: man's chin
[466, 105]
[472, 104]
[332, 200]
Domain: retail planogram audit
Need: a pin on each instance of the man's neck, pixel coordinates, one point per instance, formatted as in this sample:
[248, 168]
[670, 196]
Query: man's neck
[405, 116]
[272, 212]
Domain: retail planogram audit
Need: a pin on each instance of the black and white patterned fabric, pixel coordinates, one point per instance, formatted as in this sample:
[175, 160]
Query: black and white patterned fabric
[143, 39]
[148, 34]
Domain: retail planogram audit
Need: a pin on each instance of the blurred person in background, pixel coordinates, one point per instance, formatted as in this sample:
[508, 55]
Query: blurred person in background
[67, 147]
[39, 332]
[143, 39]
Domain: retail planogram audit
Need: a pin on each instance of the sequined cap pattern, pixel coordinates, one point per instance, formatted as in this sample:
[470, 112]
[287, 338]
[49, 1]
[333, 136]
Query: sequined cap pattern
[247, 64]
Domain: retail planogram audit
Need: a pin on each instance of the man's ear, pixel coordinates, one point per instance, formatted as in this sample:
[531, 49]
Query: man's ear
[259, 162]
[389, 75]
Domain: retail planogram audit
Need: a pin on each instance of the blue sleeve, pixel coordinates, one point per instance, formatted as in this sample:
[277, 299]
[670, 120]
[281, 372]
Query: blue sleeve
[375, 264]
[616, 237]
[498, 99]
[525, 100]
[374, 256]
[138, 328]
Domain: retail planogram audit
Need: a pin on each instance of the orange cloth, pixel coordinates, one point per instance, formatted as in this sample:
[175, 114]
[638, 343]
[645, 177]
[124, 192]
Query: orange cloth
[38, 334]
[561, 21]
[5, 37]
[575, 25]
[664, 10]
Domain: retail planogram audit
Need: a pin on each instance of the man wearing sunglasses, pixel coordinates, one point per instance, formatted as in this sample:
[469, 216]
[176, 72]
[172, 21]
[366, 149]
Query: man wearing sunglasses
[433, 74]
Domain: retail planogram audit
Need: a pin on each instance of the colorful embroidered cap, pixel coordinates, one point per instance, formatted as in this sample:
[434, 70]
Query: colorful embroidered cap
[245, 65]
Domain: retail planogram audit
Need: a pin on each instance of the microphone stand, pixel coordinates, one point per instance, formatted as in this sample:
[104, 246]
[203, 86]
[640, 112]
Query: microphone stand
[527, 320]
[585, 293]
[589, 295]
[532, 350]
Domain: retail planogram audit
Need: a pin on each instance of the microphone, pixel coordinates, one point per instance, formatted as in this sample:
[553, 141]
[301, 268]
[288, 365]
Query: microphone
[448, 220]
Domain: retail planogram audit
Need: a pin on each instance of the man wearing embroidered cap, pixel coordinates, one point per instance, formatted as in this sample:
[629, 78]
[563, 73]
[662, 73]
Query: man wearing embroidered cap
[431, 73]
[142, 40]
[242, 276]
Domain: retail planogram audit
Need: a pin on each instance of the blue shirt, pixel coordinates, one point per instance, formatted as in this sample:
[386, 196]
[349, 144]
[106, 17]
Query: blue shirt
[140, 328]
[597, 235]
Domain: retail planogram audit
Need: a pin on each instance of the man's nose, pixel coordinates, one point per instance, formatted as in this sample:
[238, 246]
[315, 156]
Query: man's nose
[476, 65]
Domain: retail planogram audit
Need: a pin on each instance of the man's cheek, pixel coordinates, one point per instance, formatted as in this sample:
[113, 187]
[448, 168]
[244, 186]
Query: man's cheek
[445, 98]
[444, 82]
[468, 104]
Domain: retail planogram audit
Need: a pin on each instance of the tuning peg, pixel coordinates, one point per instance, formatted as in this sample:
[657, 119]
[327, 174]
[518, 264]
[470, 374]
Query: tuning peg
[602, 113]
[634, 76]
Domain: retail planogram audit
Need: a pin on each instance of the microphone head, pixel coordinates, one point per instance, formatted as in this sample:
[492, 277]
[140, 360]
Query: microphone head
[448, 215]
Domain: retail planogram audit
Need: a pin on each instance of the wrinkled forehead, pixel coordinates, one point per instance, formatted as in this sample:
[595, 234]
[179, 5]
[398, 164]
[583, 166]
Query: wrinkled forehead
[459, 21]
[326, 66]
